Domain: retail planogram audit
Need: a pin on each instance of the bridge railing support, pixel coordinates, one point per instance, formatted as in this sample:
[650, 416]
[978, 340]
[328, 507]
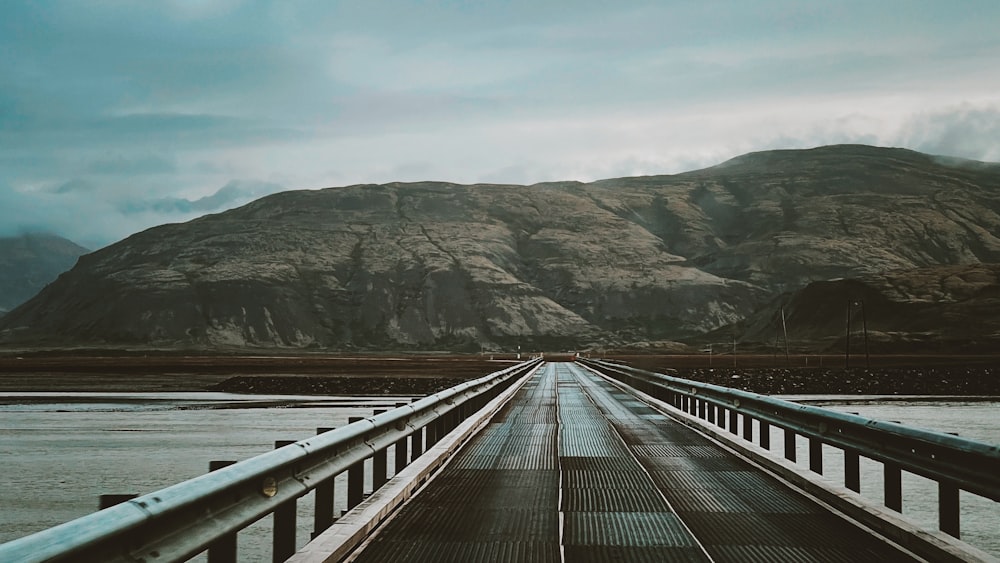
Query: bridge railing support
[206, 513]
[955, 463]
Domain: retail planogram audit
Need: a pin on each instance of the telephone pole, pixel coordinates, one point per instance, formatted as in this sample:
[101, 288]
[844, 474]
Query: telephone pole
[864, 327]
[847, 346]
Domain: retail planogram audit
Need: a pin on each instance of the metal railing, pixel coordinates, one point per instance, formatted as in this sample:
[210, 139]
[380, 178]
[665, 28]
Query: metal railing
[206, 513]
[955, 463]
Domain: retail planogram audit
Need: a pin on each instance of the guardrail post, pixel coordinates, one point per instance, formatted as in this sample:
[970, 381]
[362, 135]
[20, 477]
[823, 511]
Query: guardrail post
[440, 427]
[734, 424]
[107, 501]
[765, 435]
[323, 500]
[815, 456]
[222, 550]
[893, 486]
[948, 513]
[431, 433]
[852, 470]
[379, 463]
[283, 542]
[416, 444]
[748, 428]
[400, 449]
[790, 445]
[710, 412]
[355, 477]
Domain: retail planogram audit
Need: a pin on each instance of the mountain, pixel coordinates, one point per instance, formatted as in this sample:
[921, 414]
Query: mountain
[434, 265]
[29, 262]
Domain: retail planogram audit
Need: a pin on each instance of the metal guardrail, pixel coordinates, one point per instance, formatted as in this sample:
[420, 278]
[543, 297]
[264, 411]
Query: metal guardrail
[183, 520]
[955, 463]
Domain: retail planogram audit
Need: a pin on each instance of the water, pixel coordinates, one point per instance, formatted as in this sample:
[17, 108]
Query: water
[60, 452]
[980, 421]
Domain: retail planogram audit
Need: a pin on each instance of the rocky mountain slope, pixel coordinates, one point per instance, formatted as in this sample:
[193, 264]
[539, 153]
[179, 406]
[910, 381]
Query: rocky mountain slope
[445, 266]
[28, 262]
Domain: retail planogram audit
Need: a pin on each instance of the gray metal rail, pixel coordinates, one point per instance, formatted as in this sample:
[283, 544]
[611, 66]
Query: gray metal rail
[183, 520]
[955, 463]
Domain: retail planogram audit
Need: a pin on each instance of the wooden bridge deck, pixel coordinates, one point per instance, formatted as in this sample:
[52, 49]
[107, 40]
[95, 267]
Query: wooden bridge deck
[575, 469]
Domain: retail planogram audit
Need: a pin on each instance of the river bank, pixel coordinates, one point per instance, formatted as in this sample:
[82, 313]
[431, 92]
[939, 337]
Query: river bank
[421, 375]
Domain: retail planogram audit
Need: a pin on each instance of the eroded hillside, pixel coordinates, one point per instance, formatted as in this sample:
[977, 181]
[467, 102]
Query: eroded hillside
[444, 266]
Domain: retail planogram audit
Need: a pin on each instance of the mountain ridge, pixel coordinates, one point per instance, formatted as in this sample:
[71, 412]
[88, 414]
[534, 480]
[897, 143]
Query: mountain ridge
[431, 265]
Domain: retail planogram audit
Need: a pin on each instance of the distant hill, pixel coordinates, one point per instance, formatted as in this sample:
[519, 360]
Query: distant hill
[936, 308]
[438, 266]
[29, 262]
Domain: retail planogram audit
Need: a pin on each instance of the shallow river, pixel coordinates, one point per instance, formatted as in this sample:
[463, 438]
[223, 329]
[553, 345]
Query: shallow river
[59, 453]
[976, 420]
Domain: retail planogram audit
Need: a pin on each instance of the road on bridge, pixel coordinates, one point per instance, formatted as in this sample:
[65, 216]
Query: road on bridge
[576, 469]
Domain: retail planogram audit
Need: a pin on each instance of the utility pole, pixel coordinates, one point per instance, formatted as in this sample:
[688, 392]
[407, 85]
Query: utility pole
[864, 326]
[734, 350]
[774, 349]
[784, 331]
[847, 347]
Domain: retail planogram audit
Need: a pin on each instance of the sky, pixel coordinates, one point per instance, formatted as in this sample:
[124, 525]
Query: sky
[119, 115]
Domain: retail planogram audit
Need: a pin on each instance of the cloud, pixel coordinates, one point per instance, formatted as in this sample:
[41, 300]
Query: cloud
[116, 115]
[234, 193]
[130, 166]
[200, 9]
[73, 211]
[967, 131]
[75, 185]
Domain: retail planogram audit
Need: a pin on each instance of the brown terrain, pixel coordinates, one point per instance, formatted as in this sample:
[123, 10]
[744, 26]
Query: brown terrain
[250, 374]
[939, 375]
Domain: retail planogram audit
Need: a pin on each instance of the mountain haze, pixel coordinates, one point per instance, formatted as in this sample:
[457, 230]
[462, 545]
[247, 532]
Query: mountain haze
[443, 266]
[30, 261]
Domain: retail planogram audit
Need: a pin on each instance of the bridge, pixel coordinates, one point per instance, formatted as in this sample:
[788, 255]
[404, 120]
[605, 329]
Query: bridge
[567, 461]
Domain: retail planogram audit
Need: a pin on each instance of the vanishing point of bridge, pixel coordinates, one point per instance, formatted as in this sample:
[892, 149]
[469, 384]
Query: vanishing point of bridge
[587, 461]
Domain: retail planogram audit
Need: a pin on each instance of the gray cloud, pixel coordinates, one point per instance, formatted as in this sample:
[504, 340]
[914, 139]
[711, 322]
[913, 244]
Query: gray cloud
[118, 115]
[967, 131]
[234, 193]
[74, 211]
[75, 185]
[132, 165]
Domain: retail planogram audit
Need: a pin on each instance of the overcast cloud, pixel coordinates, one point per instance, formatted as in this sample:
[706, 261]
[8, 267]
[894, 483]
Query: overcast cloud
[117, 115]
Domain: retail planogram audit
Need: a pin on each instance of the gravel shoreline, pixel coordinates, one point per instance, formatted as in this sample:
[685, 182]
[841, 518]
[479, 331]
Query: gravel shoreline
[974, 381]
[422, 375]
[936, 381]
[320, 385]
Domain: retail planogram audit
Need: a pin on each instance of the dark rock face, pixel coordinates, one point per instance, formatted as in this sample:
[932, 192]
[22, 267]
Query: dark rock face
[29, 262]
[937, 308]
[561, 265]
